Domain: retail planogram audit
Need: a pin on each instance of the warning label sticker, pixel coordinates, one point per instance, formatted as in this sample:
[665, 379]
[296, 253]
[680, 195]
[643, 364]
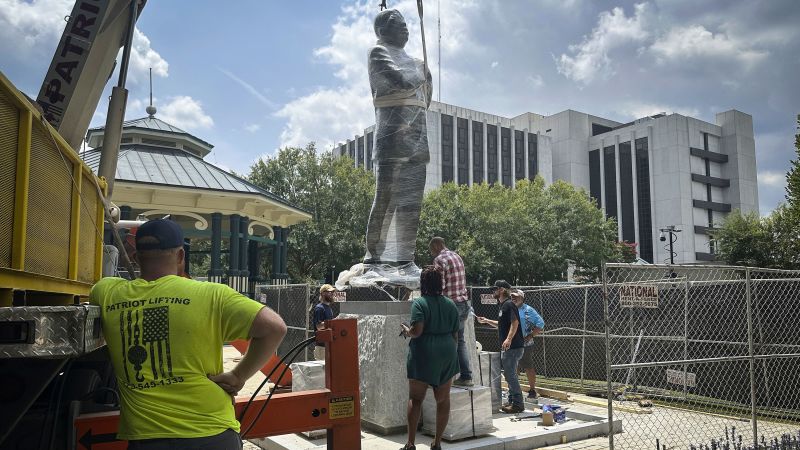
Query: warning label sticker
[488, 299]
[341, 407]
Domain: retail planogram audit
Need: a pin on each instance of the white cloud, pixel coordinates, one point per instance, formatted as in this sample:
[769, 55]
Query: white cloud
[143, 57]
[32, 27]
[495, 64]
[772, 179]
[336, 112]
[250, 89]
[185, 112]
[696, 41]
[637, 110]
[252, 127]
[535, 80]
[326, 115]
[591, 57]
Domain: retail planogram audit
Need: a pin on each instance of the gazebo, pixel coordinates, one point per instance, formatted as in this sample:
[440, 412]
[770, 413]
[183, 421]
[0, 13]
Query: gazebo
[161, 171]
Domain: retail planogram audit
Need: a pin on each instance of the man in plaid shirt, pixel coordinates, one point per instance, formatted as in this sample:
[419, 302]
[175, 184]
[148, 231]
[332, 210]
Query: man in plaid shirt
[455, 287]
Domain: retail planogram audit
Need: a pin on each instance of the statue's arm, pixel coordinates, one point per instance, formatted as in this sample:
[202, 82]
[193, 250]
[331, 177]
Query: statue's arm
[382, 68]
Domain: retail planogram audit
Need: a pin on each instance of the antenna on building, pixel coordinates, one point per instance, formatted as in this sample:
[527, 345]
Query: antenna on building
[151, 110]
[439, 24]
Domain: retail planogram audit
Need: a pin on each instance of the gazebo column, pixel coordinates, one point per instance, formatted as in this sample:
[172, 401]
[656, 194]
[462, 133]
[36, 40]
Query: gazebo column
[254, 266]
[233, 255]
[215, 272]
[285, 254]
[276, 255]
[187, 246]
[244, 273]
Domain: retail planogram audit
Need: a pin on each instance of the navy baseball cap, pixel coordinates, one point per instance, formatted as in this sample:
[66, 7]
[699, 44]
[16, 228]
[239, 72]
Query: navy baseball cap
[167, 233]
[502, 284]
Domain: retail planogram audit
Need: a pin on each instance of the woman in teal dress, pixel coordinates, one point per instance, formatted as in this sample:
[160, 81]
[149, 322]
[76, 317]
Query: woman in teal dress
[432, 354]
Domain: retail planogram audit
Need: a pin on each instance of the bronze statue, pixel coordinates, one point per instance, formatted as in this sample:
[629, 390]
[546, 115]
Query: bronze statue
[401, 91]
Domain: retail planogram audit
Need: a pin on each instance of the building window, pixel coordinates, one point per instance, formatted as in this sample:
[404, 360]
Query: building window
[491, 154]
[463, 151]
[360, 162]
[342, 149]
[533, 156]
[626, 192]
[519, 155]
[600, 129]
[477, 152]
[643, 200]
[595, 190]
[370, 143]
[505, 149]
[351, 149]
[128, 140]
[609, 170]
[447, 148]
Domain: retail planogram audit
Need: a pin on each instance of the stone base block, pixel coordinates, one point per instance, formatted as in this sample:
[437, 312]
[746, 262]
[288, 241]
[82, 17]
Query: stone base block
[382, 355]
[308, 376]
[470, 413]
[490, 373]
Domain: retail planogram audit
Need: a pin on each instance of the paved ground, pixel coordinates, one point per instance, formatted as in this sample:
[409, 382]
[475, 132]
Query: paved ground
[673, 427]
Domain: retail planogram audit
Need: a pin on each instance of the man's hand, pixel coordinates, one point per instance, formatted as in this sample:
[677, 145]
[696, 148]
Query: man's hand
[481, 319]
[229, 382]
[506, 344]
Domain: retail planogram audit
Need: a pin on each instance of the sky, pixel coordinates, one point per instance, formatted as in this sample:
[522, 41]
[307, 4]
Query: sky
[252, 76]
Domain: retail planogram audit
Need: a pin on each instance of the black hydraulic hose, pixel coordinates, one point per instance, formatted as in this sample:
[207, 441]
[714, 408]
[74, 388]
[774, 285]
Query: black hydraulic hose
[297, 347]
[269, 397]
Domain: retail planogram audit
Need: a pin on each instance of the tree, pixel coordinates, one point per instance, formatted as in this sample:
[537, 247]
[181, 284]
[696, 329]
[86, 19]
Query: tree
[745, 239]
[526, 235]
[336, 193]
[793, 175]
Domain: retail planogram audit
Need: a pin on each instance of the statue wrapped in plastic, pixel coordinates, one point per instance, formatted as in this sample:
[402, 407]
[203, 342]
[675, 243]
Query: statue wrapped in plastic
[401, 91]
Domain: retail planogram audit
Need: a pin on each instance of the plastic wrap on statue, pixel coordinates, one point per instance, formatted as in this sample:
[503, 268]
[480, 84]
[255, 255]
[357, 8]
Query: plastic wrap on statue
[401, 92]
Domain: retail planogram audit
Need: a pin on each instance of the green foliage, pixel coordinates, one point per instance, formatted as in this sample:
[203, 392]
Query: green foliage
[793, 175]
[785, 230]
[526, 235]
[745, 239]
[772, 241]
[338, 196]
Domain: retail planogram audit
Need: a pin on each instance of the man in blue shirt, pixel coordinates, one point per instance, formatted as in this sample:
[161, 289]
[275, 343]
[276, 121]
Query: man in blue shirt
[532, 324]
[323, 312]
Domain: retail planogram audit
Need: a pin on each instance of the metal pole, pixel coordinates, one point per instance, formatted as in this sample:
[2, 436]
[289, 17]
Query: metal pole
[307, 306]
[544, 337]
[752, 358]
[671, 252]
[685, 336]
[609, 389]
[583, 339]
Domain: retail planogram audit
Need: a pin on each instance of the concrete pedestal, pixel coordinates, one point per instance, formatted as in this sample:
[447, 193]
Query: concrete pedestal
[382, 357]
[489, 375]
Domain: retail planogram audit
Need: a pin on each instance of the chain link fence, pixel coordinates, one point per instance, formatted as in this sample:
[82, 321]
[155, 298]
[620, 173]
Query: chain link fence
[715, 349]
[570, 352]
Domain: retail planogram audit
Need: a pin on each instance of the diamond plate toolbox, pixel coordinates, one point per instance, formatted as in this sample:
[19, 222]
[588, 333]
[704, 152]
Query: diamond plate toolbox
[49, 331]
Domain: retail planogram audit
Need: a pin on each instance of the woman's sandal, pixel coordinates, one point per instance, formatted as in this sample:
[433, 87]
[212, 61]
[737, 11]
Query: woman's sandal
[436, 447]
[409, 447]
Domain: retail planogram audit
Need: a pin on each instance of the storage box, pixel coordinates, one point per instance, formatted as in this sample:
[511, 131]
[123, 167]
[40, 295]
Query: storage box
[470, 413]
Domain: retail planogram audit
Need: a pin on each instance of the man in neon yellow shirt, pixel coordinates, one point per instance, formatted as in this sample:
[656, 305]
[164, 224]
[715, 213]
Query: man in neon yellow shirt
[165, 335]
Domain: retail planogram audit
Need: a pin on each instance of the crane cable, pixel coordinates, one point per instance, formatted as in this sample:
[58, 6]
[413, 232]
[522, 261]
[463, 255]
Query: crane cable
[425, 70]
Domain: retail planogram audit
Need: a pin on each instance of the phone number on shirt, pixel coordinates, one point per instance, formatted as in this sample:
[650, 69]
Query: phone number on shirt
[152, 384]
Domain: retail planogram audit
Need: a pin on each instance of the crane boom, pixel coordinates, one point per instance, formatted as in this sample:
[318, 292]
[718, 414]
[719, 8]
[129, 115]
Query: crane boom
[83, 62]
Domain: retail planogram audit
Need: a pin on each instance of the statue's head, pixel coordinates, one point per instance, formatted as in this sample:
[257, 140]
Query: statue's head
[390, 27]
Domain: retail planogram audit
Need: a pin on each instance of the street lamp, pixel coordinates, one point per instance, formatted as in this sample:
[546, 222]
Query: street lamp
[672, 231]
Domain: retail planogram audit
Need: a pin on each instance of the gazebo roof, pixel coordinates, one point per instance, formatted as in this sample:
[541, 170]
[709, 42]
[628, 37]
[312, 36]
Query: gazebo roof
[149, 169]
